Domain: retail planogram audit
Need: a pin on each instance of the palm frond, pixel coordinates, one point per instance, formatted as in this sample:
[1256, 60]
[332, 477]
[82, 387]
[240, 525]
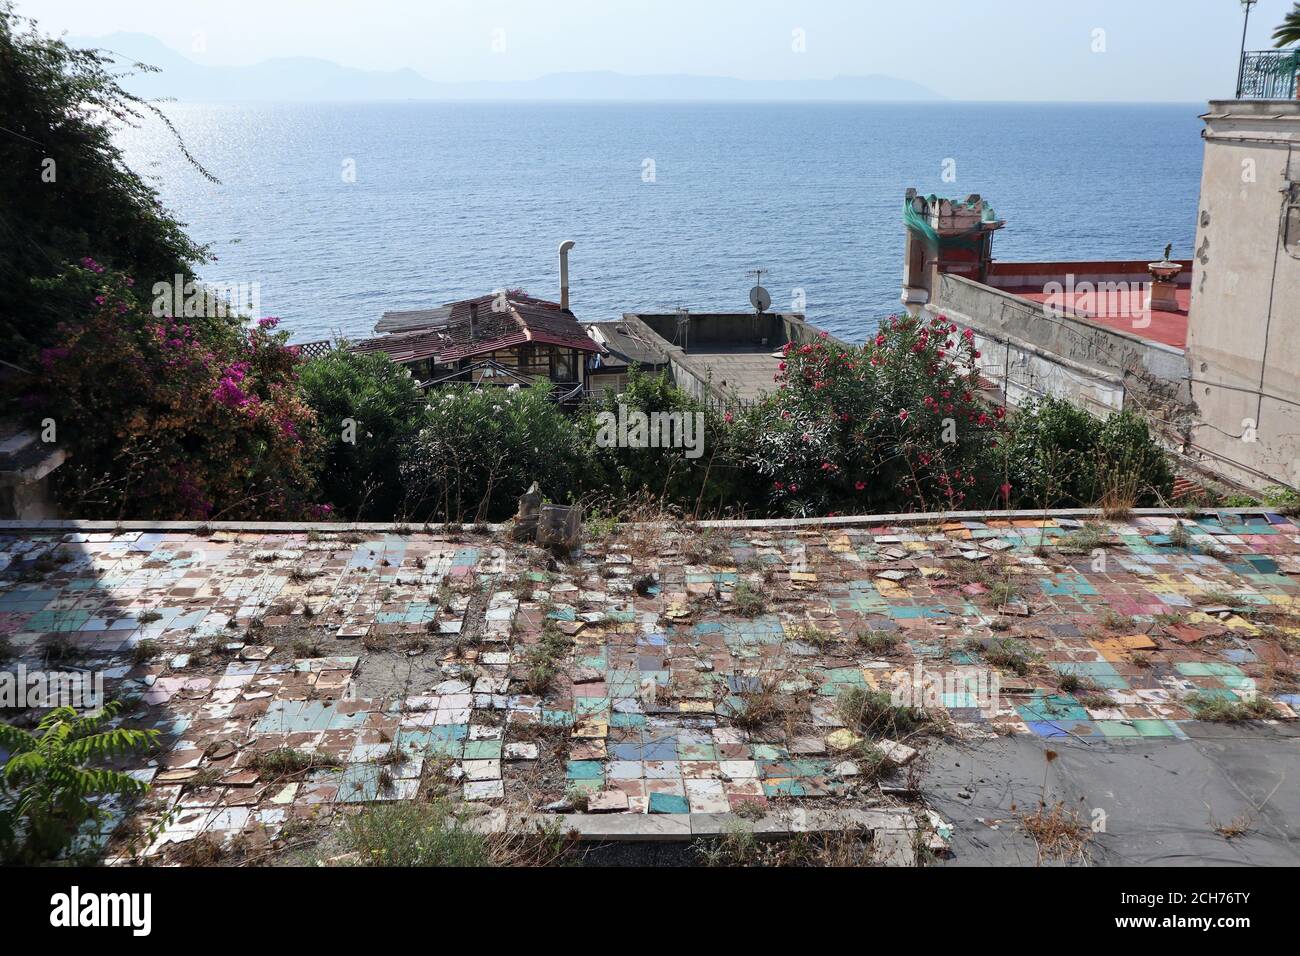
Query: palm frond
[1289, 31]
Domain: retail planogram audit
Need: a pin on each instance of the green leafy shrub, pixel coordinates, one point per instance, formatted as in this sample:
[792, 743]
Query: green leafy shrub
[1061, 456]
[711, 479]
[478, 450]
[47, 788]
[367, 408]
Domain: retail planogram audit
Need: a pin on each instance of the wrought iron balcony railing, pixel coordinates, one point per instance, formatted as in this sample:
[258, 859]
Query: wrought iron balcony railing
[1269, 75]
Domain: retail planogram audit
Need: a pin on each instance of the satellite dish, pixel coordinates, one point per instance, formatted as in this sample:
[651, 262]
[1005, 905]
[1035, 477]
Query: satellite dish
[760, 298]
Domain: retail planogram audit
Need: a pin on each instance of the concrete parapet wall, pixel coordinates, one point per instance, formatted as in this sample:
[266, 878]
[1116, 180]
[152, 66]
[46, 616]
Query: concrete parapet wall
[1092, 360]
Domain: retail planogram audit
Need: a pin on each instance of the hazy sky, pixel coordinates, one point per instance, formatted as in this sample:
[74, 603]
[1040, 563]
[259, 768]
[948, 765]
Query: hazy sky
[1182, 50]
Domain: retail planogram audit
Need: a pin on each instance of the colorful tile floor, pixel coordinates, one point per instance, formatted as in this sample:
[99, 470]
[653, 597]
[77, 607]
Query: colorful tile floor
[261, 642]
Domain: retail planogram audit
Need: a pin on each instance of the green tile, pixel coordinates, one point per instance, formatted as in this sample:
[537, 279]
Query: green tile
[1153, 728]
[1116, 728]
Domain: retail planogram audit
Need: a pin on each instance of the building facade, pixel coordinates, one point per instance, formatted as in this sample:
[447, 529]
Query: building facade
[1243, 337]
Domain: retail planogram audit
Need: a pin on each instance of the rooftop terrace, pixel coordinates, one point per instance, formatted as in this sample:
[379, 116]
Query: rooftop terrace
[1112, 295]
[701, 674]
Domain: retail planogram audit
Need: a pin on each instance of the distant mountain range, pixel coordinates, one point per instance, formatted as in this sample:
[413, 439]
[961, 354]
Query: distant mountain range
[306, 78]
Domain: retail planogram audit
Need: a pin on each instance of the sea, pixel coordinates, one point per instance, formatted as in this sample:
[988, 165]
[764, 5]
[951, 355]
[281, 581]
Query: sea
[330, 214]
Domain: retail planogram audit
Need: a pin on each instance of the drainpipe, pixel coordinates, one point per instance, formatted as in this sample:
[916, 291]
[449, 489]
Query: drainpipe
[565, 246]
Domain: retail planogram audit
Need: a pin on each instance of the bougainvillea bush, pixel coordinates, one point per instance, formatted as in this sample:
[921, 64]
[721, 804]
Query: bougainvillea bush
[892, 425]
[169, 418]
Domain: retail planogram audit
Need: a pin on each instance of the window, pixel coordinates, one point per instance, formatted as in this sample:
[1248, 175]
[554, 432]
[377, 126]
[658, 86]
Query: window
[566, 368]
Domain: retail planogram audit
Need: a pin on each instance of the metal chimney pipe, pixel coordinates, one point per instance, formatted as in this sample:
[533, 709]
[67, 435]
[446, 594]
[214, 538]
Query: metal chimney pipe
[565, 246]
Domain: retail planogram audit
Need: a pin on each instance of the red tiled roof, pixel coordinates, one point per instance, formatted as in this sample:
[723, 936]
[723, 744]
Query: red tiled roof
[404, 346]
[502, 320]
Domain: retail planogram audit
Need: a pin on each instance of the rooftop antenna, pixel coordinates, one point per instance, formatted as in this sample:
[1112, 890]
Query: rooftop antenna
[758, 296]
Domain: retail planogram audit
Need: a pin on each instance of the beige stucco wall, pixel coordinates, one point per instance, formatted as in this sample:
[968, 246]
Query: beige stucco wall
[1243, 343]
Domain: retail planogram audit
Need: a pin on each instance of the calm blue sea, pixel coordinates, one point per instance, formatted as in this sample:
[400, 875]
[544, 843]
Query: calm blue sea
[456, 199]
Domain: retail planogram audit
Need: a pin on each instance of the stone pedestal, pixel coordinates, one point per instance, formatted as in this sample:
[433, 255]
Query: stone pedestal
[1163, 297]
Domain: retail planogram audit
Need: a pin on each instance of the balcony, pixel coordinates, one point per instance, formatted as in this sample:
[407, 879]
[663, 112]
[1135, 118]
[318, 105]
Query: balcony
[1269, 75]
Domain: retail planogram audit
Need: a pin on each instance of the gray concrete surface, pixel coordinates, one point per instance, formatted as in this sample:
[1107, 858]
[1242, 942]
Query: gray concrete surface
[1161, 799]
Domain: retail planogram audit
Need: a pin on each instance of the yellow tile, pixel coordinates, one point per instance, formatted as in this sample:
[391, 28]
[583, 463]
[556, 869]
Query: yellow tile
[889, 589]
[1119, 648]
[594, 729]
[1240, 624]
[843, 739]
[696, 706]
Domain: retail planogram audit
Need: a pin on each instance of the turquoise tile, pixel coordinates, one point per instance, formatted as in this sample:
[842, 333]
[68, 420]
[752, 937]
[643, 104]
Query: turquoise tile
[585, 770]
[482, 750]
[783, 788]
[668, 803]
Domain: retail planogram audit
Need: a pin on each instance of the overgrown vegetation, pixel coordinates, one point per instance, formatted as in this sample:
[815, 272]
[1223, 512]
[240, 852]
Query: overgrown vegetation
[873, 713]
[739, 847]
[544, 659]
[1008, 653]
[747, 600]
[55, 781]
[1061, 456]
[366, 408]
[879, 643]
[435, 834]
[286, 763]
[1083, 541]
[761, 705]
[1058, 833]
[1217, 709]
[67, 194]
[478, 450]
